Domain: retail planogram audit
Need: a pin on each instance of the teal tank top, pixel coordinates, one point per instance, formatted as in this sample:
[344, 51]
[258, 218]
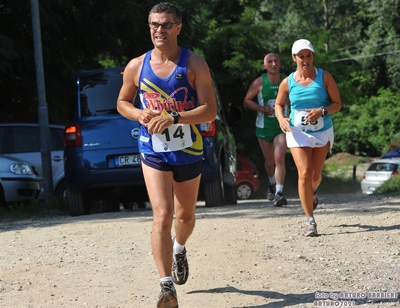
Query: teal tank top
[309, 97]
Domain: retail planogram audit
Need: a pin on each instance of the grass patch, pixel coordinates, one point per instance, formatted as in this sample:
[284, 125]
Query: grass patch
[340, 182]
[337, 170]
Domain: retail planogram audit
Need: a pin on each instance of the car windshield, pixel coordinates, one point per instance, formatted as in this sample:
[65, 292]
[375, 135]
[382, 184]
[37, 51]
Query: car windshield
[383, 167]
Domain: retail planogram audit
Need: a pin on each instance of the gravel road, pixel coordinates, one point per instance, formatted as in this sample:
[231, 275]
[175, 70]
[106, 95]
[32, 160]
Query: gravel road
[248, 255]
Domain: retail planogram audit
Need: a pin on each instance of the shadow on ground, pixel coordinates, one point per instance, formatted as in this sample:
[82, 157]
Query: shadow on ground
[285, 299]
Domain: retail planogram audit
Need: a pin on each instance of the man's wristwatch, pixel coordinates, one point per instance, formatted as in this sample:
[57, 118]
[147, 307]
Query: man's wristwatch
[176, 116]
[324, 111]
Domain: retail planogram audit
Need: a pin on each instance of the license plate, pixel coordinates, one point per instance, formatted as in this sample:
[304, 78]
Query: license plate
[371, 188]
[127, 160]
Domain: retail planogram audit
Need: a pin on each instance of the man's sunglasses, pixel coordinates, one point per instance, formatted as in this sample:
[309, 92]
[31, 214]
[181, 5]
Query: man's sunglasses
[164, 25]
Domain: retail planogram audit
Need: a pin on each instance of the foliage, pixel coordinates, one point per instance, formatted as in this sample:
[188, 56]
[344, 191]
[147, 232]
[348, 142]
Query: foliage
[372, 120]
[75, 35]
[391, 186]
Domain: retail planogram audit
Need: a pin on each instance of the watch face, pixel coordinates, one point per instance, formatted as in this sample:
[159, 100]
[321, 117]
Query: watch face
[175, 115]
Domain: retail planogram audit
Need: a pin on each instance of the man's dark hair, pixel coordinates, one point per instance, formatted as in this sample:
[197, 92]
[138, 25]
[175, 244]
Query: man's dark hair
[166, 7]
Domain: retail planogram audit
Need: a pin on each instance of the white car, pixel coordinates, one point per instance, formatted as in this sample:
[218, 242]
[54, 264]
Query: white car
[378, 172]
[22, 140]
[19, 181]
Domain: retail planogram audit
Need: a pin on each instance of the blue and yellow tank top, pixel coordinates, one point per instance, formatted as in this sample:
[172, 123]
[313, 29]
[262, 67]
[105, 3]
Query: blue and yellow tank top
[173, 93]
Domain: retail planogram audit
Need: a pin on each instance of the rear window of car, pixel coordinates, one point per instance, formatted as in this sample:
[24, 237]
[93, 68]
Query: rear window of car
[98, 92]
[383, 167]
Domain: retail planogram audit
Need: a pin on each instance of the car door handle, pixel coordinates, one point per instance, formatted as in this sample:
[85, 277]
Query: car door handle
[57, 158]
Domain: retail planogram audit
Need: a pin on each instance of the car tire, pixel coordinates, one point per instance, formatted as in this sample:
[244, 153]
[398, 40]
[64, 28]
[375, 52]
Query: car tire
[141, 205]
[214, 190]
[61, 192]
[230, 195]
[2, 197]
[244, 191]
[110, 205]
[77, 203]
[134, 205]
[128, 205]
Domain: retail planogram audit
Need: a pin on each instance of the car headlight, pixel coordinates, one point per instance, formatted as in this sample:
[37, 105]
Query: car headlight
[21, 168]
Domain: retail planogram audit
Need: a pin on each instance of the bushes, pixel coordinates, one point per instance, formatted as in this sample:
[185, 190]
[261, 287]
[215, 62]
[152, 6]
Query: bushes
[391, 186]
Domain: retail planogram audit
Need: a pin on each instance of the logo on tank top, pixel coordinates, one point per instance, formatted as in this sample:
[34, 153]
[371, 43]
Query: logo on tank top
[156, 101]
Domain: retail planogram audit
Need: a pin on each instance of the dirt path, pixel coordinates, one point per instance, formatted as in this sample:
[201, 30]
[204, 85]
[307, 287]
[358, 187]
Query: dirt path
[248, 255]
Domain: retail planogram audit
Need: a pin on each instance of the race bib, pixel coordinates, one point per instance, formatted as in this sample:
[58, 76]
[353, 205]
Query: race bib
[174, 138]
[300, 122]
[260, 120]
[260, 115]
[271, 103]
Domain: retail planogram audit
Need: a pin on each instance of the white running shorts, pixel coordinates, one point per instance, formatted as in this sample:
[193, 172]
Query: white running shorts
[296, 138]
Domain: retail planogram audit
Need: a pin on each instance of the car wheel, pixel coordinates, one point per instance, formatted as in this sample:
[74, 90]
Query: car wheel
[2, 198]
[214, 190]
[244, 191]
[141, 205]
[230, 195]
[77, 203]
[61, 192]
[110, 205]
[134, 205]
[128, 205]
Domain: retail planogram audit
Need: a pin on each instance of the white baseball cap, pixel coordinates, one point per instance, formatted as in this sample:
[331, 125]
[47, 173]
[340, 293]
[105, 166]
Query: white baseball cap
[300, 45]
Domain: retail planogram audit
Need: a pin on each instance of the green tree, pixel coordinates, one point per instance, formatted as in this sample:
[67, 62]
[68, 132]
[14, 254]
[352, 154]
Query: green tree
[75, 35]
[357, 41]
[370, 126]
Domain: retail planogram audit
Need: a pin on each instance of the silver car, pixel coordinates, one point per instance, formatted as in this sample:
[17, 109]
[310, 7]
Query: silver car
[19, 181]
[378, 172]
[22, 140]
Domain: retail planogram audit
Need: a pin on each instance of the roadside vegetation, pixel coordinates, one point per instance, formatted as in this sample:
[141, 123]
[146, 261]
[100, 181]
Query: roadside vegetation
[342, 174]
[392, 186]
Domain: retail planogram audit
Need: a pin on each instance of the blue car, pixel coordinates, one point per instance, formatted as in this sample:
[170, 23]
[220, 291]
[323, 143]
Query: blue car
[394, 153]
[101, 156]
